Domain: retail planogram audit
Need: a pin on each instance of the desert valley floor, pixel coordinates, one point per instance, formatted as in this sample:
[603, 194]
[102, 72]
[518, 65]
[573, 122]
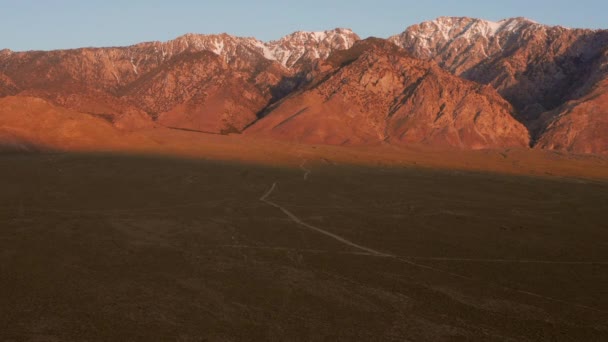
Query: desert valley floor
[320, 247]
[448, 182]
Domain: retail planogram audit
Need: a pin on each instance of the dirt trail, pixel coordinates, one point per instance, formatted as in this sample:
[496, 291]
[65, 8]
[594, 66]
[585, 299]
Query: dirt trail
[470, 260]
[307, 172]
[317, 229]
[410, 260]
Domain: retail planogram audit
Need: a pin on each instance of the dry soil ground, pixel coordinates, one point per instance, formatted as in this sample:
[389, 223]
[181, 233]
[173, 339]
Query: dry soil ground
[123, 248]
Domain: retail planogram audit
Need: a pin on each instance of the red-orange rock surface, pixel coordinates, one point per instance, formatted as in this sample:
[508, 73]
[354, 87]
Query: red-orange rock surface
[537, 68]
[579, 126]
[376, 92]
[554, 79]
[202, 82]
[7, 86]
[199, 91]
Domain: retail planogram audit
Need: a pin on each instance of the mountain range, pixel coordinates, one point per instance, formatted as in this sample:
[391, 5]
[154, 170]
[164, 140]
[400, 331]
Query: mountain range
[451, 82]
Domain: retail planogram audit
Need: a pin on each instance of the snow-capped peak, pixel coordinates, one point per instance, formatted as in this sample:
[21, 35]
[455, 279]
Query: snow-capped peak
[317, 36]
[287, 50]
[454, 27]
[292, 48]
[426, 38]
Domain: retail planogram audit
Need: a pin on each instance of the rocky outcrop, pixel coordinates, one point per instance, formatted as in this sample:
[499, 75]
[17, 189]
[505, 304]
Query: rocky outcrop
[332, 87]
[376, 92]
[199, 91]
[579, 126]
[299, 49]
[215, 83]
[537, 68]
[7, 86]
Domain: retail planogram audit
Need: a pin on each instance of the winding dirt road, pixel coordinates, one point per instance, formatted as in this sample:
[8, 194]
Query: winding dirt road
[410, 261]
[297, 220]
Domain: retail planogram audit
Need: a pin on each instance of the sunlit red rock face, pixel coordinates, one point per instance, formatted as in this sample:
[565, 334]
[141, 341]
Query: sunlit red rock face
[201, 82]
[376, 92]
[7, 86]
[537, 68]
[324, 87]
[200, 91]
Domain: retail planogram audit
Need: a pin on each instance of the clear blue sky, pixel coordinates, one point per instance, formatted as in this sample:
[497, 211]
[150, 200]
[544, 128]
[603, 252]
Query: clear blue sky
[58, 24]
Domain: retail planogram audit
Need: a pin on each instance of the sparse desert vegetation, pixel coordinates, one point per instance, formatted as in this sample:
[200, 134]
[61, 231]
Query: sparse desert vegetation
[119, 247]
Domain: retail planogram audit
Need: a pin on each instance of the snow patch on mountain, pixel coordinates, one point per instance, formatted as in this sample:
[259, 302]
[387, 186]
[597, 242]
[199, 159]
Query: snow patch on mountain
[292, 48]
[449, 29]
[288, 51]
[456, 33]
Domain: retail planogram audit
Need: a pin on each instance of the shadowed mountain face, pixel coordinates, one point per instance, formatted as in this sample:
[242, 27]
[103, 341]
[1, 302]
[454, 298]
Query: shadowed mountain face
[579, 125]
[376, 92]
[325, 87]
[538, 68]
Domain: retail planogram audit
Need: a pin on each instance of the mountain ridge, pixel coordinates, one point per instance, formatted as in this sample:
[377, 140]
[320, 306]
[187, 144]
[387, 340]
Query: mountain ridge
[224, 83]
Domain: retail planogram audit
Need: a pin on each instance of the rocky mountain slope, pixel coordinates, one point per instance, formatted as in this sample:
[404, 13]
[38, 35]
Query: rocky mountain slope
[199, 82]
[301, 48]
[537, 68]
[434, 84]
[376, 92]
[579, 125]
